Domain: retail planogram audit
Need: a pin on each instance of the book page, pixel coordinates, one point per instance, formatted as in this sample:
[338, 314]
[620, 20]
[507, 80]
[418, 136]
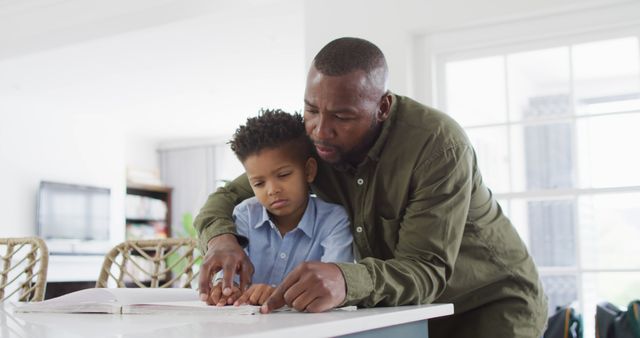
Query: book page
[136, 300]
[88, 300]
[93, 295]
[189, 307]
[127, 296]
[84, 307]
[103, 300]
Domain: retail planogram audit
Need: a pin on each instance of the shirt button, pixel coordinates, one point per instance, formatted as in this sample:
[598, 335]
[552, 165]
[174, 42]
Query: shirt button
[360, 181]
[283, 255]
[359, 229]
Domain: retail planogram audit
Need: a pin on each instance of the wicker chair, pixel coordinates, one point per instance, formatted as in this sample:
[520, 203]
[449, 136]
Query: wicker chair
[24, 269]
[155, 263]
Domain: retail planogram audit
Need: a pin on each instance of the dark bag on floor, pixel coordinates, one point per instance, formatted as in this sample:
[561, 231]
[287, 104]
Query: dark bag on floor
[611, 322]
[564, 323]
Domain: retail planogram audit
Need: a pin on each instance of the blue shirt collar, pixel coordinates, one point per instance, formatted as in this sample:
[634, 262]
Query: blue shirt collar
[306, 224]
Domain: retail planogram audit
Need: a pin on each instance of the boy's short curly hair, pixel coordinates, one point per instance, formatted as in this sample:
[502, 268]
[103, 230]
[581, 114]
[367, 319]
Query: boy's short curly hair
[272, 128]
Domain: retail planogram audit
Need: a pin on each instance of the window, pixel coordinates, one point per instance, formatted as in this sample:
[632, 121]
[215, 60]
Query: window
[556, 133]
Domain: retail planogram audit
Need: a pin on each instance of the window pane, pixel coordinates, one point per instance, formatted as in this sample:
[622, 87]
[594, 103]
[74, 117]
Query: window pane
[609, 231]
[561, 290]
[539, 83]
[542, 156]
[606, 76]
[550, 233]
[607, 151]
[518, 216]
[491, 149]
[475, 91]
[505, 205]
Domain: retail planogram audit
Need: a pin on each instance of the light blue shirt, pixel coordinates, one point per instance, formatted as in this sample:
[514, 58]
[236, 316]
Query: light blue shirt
[323, 234]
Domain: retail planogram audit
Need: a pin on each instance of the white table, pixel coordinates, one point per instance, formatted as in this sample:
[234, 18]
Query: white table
[402, 321]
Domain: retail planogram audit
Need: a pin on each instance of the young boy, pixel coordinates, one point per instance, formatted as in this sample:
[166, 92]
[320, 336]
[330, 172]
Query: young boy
[284, 224]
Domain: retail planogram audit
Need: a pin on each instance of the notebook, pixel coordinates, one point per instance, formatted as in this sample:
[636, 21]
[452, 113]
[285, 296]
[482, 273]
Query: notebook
[132, 301]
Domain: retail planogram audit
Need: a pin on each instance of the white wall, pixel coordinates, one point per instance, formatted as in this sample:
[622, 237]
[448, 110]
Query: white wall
[141, 153]
[80, 99]
[82, 149]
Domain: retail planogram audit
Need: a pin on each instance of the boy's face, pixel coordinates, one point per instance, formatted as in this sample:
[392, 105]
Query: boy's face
[280, 181]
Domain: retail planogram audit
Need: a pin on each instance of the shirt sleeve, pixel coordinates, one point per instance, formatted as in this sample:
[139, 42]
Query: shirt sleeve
[215, 217]
[338, 243]
[429, 237]
[241, 220]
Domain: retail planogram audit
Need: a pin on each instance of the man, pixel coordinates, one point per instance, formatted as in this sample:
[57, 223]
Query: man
[425, 226]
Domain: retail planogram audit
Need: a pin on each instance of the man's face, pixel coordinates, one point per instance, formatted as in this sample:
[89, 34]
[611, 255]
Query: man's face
[341, 115]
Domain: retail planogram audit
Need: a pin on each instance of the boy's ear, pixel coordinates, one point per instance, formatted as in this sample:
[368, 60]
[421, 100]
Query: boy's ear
[311, 169]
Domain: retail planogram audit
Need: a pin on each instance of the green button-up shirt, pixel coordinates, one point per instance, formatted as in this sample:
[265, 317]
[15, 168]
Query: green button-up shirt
[425, 226]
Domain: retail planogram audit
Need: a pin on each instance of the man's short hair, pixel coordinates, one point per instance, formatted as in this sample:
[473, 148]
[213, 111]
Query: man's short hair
[271, 129]
[345, 55]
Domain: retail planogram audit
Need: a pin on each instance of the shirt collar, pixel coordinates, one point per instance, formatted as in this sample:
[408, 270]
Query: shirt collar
[306, 224]
[376, 149]
[265, 219]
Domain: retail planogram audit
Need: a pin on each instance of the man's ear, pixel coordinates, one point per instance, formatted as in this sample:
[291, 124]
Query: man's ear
[311, 169]
[385, 107]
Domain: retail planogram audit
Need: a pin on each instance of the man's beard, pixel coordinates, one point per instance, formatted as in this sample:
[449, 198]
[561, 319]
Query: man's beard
[356, 155]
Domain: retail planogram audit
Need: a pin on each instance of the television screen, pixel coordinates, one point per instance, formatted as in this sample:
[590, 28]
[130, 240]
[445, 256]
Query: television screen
[73, 213]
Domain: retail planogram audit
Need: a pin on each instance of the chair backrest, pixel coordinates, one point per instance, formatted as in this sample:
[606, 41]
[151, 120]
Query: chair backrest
[155, 263]
[23, 272]
[566, 322]
[613, 322]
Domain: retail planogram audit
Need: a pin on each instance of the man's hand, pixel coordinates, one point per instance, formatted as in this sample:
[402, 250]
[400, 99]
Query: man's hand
[224, 253]
[310, 287]
[217, 298]
[257, 294]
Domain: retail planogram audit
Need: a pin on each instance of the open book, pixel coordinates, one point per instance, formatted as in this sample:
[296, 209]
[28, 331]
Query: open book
[131, 300]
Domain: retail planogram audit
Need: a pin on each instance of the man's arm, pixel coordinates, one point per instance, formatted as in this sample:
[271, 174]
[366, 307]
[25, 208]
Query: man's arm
[429, 238]
[219, 240]
[216, 297]
[215, 217]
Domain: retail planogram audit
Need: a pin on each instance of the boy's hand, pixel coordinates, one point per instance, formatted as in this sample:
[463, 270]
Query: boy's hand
[216, 297]
[257, 294]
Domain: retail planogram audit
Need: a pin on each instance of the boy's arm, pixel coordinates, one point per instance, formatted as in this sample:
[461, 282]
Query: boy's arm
[338, 243]
[218, 239]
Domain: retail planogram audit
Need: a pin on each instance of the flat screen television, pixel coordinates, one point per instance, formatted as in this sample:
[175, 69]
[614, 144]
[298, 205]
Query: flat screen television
[74, 219]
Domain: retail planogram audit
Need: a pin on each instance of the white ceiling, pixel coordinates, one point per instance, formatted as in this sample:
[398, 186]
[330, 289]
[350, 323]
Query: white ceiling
[33, 25]
[165, 69]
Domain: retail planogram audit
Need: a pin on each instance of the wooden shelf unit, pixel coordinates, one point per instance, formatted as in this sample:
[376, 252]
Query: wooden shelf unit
[154, 192]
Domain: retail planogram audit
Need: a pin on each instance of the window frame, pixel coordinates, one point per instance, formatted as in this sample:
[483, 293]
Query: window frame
[513, 35]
